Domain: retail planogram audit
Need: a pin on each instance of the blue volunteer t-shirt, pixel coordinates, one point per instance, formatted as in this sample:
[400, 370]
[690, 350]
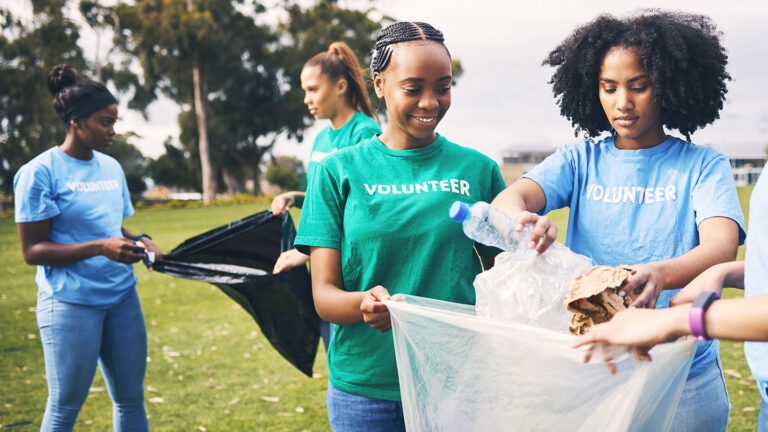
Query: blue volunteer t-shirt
[756, 275]
[639, 206]
[84, 200]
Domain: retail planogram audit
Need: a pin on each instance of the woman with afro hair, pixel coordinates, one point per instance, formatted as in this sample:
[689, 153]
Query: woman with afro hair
[639, 196]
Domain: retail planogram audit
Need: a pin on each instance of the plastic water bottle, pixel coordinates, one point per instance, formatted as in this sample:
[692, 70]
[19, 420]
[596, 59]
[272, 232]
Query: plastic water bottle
[490, 226]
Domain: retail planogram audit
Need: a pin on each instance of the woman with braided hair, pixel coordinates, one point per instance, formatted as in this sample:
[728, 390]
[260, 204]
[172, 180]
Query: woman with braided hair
[376, 224]
[671, 205]
[334, 89]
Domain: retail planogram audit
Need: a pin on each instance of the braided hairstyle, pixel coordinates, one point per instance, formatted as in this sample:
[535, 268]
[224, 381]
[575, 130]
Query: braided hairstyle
[75, 97]
[401, 31]
[681, 52]
[340, 62]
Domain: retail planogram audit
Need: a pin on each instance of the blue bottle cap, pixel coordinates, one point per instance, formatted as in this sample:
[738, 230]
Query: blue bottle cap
[459, 211]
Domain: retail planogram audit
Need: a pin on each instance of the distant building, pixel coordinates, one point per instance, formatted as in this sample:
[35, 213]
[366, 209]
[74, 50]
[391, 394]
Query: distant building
[163, 193]
[747, 161]
[746, 171]
[518, 160]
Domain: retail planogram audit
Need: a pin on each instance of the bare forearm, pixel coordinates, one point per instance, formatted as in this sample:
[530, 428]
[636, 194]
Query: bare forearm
[732, 319]
[733, 274]
[57, 254]
[678, 272]
[738, 319]
[298, 198]
[523, 195]
[332, 302]
[718, 243]
[127, 234]
[336, 305]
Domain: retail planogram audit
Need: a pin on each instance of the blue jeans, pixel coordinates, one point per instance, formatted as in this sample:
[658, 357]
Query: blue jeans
[326, 331]
[704, 404]
[349, 412]
[762, 418]
[74, 338]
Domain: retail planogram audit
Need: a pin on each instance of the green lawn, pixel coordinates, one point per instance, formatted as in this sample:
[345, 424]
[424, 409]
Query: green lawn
[210, 368]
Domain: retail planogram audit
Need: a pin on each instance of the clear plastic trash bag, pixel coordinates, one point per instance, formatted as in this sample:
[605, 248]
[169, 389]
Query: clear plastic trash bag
[505, 365]
[530, 290]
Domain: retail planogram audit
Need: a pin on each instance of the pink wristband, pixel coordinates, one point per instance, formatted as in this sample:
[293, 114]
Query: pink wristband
[696, 314]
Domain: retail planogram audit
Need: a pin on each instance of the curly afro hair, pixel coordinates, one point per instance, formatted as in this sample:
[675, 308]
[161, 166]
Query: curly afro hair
[681, 52]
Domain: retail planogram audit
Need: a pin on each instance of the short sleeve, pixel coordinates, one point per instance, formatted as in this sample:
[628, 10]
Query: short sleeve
[127, 205]
[497, 185]
[34, 195]
[714, 194]
[365, 132]
[497, 182]
[555, 175]
[321, 216]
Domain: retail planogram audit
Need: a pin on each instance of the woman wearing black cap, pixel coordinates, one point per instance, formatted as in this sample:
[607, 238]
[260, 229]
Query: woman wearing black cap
[70, 204]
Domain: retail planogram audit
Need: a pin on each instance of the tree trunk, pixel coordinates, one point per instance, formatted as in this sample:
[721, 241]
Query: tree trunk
[255, 176]
[201, 109]
[234, 186]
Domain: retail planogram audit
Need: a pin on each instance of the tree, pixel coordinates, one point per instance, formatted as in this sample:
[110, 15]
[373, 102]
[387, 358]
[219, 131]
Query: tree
[176, 168]
[131, 160]
[28, 122]
[207, 56]
[287, 172]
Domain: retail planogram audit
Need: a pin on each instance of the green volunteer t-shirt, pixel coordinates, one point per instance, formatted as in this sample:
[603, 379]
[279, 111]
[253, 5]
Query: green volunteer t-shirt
[387, 212]
[360, 127]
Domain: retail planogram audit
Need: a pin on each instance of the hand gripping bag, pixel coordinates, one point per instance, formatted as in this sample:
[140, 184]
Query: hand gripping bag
[505, 365]
[238, 258]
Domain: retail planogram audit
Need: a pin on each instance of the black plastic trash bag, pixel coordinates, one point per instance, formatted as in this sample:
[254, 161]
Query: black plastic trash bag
[239, 258]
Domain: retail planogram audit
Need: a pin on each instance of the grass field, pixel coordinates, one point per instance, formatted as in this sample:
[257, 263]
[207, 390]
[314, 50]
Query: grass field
[209, 367]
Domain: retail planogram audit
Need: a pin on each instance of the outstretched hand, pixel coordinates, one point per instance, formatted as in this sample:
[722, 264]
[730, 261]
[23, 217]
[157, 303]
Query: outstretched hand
[288, 260]
[281, 203]
[544, 231]
[637, 329]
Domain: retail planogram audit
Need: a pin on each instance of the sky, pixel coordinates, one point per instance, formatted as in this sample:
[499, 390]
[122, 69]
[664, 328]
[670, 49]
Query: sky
[502, 100]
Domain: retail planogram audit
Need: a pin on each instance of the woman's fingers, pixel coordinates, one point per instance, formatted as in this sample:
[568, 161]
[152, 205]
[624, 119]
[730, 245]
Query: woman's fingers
[641, 353]
[122, 250]
[375, 312]
[524, 218]
[543, 234]
[646, 299]
[280, 204]
[547, 239]
[585, 339]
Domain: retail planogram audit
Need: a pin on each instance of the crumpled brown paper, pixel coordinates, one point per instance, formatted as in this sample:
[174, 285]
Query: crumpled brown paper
[593, 298]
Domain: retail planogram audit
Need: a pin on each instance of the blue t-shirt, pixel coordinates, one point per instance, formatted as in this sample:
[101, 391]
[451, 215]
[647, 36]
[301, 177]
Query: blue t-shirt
[639, 206]
[756, 274]
[84, 200]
